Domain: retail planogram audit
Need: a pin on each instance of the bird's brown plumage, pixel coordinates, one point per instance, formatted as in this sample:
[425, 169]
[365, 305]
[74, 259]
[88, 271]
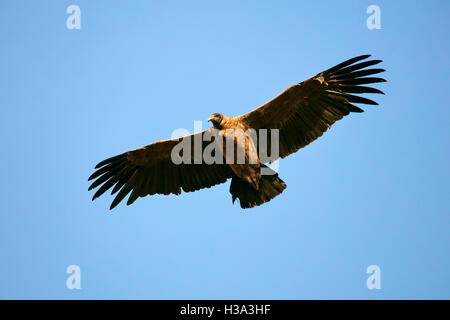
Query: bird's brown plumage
[302, 113]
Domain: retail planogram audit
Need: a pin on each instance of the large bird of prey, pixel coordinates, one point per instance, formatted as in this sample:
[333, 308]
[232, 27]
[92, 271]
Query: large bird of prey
[302, 113]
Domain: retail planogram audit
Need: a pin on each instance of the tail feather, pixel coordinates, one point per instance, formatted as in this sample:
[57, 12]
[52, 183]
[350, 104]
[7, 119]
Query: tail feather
[249, 197]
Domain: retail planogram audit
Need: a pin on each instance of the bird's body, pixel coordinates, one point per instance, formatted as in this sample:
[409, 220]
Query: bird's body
[299, 115]
[233, 132]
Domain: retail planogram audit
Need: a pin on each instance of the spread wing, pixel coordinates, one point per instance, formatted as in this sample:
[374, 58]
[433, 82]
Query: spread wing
[150, 170]
[303, 112]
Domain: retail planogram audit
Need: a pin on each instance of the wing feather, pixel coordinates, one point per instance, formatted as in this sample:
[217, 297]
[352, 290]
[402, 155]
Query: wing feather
[304, 111]
[150, 170]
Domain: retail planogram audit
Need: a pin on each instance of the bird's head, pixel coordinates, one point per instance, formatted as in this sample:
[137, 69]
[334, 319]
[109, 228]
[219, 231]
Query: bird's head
[216, 120]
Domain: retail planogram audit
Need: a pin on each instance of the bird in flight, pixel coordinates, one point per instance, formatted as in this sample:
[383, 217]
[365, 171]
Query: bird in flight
[299, 115]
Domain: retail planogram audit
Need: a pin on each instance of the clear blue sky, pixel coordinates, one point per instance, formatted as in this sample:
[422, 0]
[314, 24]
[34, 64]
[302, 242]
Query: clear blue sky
[372, 190]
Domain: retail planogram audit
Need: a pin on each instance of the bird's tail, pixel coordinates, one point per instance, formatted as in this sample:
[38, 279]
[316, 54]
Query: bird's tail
[270, 186]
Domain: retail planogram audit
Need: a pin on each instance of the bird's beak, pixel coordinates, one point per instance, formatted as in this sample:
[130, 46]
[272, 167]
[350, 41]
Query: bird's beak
[210, 118]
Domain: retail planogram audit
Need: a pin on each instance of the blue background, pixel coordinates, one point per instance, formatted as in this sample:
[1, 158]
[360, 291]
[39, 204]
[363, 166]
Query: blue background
[372, 190]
